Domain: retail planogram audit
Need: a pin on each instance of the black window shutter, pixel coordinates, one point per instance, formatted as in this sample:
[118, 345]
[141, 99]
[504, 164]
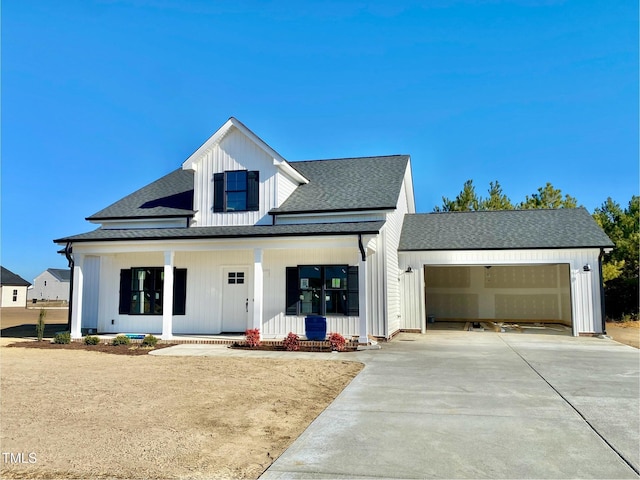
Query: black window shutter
[354, 294]
[179, 291]
[218, 192]
[125, 292]
[293, 293]
[253, 190]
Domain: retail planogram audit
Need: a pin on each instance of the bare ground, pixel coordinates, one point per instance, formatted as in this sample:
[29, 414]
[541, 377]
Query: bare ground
[78, 414]
[625, 332]
[93, 415]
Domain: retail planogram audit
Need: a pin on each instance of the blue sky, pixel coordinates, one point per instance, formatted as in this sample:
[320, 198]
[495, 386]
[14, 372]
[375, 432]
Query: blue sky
[100, 98]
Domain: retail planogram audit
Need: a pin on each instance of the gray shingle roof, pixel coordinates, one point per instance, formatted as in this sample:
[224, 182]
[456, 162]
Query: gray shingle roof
[7, 277]
[365, 183]
[170, 196]
[505, 229]
[235, 231]
[63, 275]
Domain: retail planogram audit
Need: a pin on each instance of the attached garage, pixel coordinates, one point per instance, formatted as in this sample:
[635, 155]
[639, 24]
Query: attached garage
[522, 293]
[513, 266]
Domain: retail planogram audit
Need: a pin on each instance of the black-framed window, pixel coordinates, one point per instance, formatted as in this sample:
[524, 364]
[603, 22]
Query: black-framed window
[142, 291]
[235, 278]
[322, 290]
[236, 191]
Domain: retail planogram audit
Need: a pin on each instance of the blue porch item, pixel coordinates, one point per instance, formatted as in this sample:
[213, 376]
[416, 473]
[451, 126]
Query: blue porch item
[315, 327]
[135, 336]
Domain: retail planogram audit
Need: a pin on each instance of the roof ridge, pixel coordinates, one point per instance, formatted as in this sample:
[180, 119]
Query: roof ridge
[349, 158]
[505, 210]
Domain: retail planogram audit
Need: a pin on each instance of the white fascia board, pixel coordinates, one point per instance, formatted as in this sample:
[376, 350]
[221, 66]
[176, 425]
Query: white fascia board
[408, 180]
[288, 170]
[210, 143]
[217, 137]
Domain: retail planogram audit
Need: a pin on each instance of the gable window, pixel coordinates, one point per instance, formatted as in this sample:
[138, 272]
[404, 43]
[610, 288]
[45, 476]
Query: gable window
[322, 290]
[236, 191]
[142, 291]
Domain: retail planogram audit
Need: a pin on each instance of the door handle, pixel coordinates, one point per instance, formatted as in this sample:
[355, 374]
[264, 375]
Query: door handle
[246, 305]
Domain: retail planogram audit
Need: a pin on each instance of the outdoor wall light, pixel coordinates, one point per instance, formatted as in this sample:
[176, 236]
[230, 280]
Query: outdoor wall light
[587, 268]
[409, 269]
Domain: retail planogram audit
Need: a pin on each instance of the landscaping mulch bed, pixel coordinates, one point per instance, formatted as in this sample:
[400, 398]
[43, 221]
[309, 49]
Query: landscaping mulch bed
[132, 349]
[319, 347]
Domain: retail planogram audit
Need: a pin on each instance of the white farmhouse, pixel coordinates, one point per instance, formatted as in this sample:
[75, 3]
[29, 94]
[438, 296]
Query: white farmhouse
[52, 284]
[238, 237]
[13, 289]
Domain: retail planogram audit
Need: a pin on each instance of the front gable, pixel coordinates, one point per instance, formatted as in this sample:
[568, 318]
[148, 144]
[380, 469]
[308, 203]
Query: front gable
[238, 178]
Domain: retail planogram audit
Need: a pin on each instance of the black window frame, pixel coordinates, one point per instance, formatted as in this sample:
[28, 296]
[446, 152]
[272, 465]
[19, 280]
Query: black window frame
[295, 291]
[127, 292]
[223, 186]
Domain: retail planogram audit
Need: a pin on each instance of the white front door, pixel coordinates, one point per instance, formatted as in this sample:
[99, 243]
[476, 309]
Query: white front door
[235, 299]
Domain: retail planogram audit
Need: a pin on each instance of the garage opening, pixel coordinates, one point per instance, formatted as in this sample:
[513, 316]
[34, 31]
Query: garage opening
[499, 296]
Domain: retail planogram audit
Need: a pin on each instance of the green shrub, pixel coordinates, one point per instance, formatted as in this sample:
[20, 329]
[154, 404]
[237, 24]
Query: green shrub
[121, 340]
[62, 337]
[91, 340]
[40, 324]
[149, 341]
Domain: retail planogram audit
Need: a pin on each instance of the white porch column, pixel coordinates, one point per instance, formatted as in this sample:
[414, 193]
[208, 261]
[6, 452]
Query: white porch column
[167, 301]
[363, 301]
[258, 288]
[78, 287]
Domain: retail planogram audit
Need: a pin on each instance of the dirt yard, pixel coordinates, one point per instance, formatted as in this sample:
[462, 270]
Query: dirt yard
[78, 414]
[625, 332]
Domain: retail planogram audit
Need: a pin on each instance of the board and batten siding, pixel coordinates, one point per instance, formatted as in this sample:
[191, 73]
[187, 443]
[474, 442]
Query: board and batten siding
[284, 188]
[237, 152]
[586, 312]
[330, 218]
[392, 273]
[205, 288]
[275, 262]
[90, 292]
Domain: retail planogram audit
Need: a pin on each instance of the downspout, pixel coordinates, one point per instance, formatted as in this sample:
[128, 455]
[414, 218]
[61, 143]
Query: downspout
[604, 322]
[361, 247]
[68, 251]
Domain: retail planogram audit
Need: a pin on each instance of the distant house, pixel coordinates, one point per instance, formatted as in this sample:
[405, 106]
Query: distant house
[238, 237]
[14, 289]
[52, 284]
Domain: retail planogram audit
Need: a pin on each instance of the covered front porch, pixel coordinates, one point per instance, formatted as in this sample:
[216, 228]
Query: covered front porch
[214, 290]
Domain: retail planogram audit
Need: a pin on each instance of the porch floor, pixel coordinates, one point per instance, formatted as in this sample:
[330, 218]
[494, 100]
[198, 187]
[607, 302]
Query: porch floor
[227, 338]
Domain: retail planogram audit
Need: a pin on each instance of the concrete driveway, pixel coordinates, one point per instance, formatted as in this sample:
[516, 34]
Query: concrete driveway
[479, 405]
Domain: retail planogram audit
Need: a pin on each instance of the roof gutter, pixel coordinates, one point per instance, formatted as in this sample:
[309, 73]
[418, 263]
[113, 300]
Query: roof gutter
[602, 309]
